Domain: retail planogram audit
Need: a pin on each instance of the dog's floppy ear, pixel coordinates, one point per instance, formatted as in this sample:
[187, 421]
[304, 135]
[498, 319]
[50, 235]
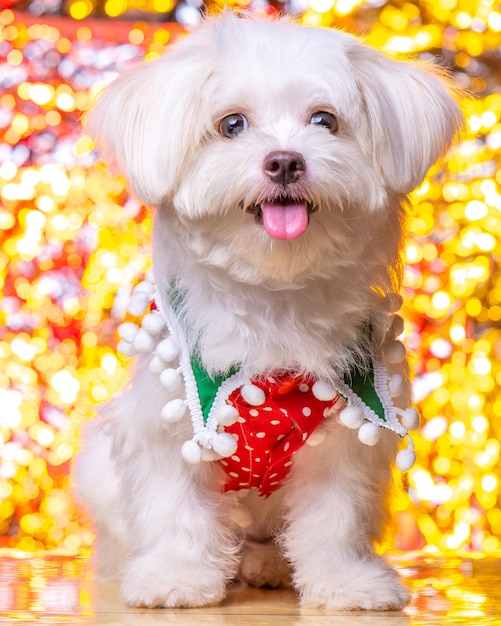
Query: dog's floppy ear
[145, 122]
[412, 111]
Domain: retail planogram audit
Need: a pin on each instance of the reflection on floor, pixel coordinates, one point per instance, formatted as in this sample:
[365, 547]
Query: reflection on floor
[446, 590]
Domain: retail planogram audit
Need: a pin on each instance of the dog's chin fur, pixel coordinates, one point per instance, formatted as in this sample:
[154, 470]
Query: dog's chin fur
[164, 527]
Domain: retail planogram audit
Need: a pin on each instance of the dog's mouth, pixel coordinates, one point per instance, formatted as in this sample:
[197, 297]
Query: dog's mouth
[283, 218]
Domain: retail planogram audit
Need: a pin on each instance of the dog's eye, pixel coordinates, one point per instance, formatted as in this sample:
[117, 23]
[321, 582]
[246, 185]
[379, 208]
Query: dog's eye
[232, 125]
[322, 118]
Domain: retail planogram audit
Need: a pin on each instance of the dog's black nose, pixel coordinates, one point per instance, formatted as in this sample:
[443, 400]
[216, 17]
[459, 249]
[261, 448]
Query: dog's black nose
[284, 167]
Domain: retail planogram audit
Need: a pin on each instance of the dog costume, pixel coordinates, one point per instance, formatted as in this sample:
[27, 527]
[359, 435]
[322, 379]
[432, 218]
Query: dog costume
[254, 427]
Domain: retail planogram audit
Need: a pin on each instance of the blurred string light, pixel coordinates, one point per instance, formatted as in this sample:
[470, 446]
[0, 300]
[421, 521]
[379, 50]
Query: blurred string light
[65, 281]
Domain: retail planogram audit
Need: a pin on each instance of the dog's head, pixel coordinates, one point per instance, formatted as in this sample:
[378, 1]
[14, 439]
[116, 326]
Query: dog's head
[275, 141]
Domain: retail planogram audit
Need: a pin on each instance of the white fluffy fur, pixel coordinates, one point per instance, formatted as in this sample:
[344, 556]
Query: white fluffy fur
[165, 528]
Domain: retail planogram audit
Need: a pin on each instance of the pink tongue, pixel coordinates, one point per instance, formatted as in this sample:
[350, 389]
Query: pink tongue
[285, 221]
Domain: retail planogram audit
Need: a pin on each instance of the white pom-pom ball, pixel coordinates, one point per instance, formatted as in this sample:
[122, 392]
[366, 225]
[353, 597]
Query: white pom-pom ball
[168, 350]
[191, 452]
[128, 331]
[351, 417]
[369, 434]
[323, 391]
[143, 342]
[138, 304]
[171, 380]
[410, 419]
[174, 410]
[157, 366]
[394, 352]
[405, 460]
[227, 415]
[395, 385]
[252, 395]
[126, 348]
[145, 286]
[153, 323]
[224, 444]
[397, 326]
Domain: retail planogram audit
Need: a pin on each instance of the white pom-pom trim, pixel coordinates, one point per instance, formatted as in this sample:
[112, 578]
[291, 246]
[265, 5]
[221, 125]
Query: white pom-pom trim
[174, 410]
[252, 394]
[139, 304]
[395, 385]
[224, 444]
[157, 366]
[171, 380]
[153, 323]
[323, 391]
[394, 352]
[397, 326]
[369, 434]
[405, 460]
[351, 417]
[127, 331]
[168, 350]
[126, 348]
[410, 419]
[145, 286]
[227, 415]
[191, 452]
[143, 342]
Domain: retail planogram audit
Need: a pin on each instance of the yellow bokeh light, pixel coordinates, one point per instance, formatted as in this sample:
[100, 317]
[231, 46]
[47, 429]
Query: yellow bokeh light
[15, 57]
[45, 436]
[65, 102]
[494, 21]
[114, 8]
[489, 482]
[473, 307]
[441, 301]
[136, 36]
[40, 93]
[322, 6]
[66, 385]
[475, 210]
[80, 9]
[23, 349]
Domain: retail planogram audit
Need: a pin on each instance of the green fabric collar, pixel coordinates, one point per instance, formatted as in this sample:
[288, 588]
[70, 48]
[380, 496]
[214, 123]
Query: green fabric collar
[361, 384]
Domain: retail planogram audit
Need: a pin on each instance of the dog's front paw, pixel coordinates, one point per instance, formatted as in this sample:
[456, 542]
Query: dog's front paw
[368, 585]
[172, 584]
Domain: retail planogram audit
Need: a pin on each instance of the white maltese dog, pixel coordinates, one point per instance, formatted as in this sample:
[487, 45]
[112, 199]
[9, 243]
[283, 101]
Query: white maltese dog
[259, 434]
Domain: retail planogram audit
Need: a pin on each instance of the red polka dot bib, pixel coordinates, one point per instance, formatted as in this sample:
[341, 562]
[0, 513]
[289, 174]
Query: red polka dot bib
[269, 435]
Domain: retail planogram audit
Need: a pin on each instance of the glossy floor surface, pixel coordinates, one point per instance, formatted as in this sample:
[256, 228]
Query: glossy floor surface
[62, 590]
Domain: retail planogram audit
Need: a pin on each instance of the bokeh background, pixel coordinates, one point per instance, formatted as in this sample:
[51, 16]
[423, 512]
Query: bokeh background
[73, 243]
